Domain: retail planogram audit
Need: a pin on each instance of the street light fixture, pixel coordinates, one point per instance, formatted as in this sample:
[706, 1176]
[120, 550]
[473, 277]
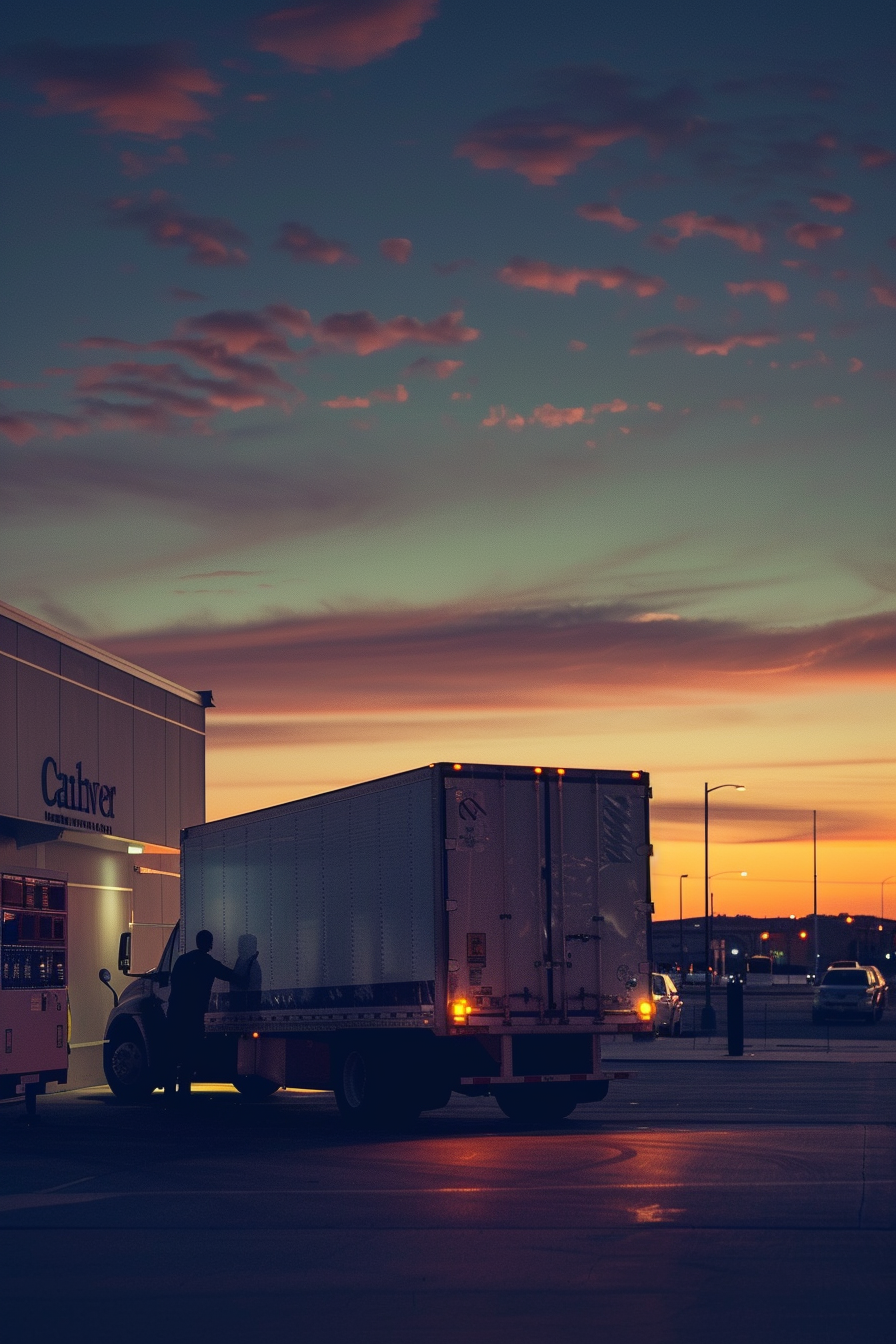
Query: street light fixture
[681, 927]
[882, 885]
[708, 1016]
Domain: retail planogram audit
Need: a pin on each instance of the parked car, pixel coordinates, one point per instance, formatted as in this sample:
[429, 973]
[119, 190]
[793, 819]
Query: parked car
[850, 991]
[667, 1002]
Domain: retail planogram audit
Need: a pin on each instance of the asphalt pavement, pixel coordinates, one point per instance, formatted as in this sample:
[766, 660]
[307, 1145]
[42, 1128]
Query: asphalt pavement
[705, 1199]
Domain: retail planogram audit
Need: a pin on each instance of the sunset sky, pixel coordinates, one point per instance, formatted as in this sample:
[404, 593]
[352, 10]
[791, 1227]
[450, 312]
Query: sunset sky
[502, 381]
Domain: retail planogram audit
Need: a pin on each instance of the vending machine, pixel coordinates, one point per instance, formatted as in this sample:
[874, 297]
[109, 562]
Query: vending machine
[33, 985]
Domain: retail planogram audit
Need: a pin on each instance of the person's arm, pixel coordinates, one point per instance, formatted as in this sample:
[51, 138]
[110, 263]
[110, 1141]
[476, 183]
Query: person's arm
[223, 972]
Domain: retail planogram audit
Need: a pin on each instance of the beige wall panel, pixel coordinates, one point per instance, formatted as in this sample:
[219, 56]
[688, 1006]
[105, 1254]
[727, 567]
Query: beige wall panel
[192, 778]
[116, 761]
[79, 667]
[149, 778]
[79, 736]
[173, 820]
[37, 734]
[8, 745]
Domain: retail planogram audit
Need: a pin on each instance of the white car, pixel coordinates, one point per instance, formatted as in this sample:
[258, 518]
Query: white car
[850, 991]
[668, 1004]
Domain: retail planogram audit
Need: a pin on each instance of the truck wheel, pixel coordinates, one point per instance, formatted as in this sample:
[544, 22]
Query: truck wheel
[255, 1088]
[126, 1066]
[368, 1092]
[544, 1104]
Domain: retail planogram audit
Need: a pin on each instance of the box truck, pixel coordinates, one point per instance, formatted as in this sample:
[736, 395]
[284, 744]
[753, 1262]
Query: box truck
[457, 928]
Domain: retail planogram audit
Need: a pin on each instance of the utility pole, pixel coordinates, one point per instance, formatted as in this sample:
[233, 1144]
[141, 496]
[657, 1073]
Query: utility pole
[815, 888]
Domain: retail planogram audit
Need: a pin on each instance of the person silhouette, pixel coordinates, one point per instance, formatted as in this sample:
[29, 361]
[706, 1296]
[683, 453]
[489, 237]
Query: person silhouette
[192, 978]
[248, 973]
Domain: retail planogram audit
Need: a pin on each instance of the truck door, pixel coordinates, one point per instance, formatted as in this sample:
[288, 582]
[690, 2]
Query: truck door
[624, 894]
[522, 879]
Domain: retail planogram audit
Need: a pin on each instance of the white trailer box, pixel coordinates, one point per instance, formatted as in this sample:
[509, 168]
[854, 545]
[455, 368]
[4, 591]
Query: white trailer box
[459, 927]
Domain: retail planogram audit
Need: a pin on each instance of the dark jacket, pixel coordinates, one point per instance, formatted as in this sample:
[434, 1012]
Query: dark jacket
[192, 978]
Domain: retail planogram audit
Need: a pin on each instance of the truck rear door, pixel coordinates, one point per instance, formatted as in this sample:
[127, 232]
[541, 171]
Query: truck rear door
[528, 941]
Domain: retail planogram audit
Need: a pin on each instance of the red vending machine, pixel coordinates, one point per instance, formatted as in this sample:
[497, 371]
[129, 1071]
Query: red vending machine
[33, 985]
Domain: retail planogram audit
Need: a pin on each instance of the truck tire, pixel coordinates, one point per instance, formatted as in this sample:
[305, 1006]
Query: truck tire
[126, 1066]
[370, 1093]
[540, 1104]
[255, 1088]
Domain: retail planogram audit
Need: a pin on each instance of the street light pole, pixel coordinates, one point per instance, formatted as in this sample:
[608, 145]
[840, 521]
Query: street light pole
[708, 1015]
[815, 888]
[681, 927]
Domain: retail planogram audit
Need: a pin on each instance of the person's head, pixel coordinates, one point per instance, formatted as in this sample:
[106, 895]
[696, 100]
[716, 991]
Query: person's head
[204, 940]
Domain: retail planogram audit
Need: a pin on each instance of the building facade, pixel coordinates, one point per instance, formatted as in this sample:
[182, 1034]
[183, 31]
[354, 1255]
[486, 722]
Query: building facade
[101, 766]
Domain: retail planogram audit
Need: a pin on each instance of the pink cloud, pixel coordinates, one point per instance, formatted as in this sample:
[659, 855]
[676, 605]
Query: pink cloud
[672, 338]
[552, 417]
[303, 244]
[526, 657]
[608, 214]
[884, 293]
[523, 273]
[654, 405]
[499, 415]
[854, 365]
[691, 225]
[577, 346]
[363, 334]
[398, 393]
[18, 428]
[833, 202]
[340, 34]
[141, 165]
[397, 250]
[210, 241]
[549, 416]
[813, 235]
[149, 90]
[873, 156]
[347, 403]
[461, 396]
[540, 150]
[774, 290]
[433, 368]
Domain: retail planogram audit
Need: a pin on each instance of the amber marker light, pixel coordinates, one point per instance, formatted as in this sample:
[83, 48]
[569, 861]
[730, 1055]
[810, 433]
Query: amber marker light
[646, 1009]
[636, 774]
[561, 772]
[460, 1011]
[538, 769]
[764, 937]
[458, 767]
[803, 933]
[849, 919]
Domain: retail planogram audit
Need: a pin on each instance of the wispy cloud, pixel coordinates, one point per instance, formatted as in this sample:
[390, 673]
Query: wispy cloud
[833, 202]
[340, 34]
[774, 290]
[433, 368]
[303, 244]
[812, 235]
[397, 249]
[526, 273]
[150, 90]
[681, 338]
[210, 241]
[543, 657]
[608, 214]
[690, 224]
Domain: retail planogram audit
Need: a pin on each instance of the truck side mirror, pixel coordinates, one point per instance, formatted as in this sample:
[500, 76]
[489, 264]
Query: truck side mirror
[124, 953]
[106, 977]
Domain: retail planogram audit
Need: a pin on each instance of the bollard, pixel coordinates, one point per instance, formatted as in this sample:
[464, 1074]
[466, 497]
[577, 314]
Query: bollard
[735, 1016]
